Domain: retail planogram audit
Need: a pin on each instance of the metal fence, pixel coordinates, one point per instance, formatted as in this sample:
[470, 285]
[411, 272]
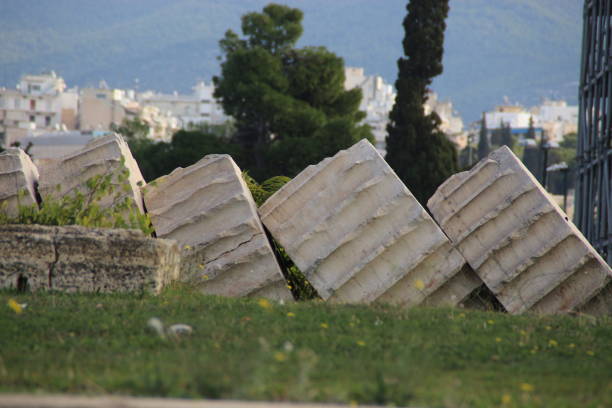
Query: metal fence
[593, 213]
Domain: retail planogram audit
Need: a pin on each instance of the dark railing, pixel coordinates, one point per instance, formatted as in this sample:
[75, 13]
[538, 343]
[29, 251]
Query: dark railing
[593, 212]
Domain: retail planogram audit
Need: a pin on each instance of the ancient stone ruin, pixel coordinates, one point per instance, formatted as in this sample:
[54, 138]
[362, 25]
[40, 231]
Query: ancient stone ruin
[18, 180]
[76, 258]
[518, 240]
[358, 235]
[209, 210]
[105, 155]
[349, 224]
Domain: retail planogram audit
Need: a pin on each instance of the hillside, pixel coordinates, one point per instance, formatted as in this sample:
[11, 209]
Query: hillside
[517, 48]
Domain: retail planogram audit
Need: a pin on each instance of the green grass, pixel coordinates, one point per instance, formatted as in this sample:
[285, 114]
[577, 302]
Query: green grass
[309, 351]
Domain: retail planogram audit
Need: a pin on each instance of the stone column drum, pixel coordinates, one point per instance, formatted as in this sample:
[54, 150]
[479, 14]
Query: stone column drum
[517, 239]
[18, 179]
[359, 235]
[105, 155]
[209, 210]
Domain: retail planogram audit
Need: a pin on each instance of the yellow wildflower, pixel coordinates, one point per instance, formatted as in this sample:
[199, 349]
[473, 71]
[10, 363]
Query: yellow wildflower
[290, 314]
[15, 306]
[590, 353]
[498, 339]
[527, 387]
[280, 356]
[571, 345]
[506, 399]
[419, 284]
[552, 343]
[324, 325]
[361, 343]
[264, 303]
[523, 333]
[491, 321]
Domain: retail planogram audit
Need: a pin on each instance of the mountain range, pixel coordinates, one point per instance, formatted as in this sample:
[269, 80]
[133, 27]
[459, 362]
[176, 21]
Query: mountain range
[524, 50]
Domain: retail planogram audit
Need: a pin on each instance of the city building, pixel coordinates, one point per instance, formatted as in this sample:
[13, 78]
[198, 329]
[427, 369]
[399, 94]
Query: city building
[554, 119]
[193, 109]
[103, 108]
[39, 103]
[377, 102]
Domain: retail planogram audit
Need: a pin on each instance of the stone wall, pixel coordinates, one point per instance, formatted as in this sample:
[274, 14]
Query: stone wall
[76, 258]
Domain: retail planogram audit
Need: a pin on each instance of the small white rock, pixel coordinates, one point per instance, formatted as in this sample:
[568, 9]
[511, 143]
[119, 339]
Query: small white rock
[157, 326]
[179, 330]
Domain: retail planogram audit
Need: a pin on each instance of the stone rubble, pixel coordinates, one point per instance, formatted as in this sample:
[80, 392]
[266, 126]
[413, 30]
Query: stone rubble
[359, 235]
[209, 210]
[518, 240]
[80, 259]
[18, 180]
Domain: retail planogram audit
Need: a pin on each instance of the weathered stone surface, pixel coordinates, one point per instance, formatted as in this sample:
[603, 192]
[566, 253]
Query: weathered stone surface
[82, 259]
[105, 155]
[18, 177]
[359, 235]
[209, 210]
[517, 239]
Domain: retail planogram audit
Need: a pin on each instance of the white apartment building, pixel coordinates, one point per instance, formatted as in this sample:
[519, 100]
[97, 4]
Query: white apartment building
[377, 102]
[193, 109]
[554, 118]
[39, 103]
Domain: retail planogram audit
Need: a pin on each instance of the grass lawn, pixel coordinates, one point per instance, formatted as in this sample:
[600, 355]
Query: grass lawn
[308, 351]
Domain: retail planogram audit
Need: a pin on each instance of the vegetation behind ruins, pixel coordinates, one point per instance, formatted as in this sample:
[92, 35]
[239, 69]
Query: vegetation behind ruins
[307, 351]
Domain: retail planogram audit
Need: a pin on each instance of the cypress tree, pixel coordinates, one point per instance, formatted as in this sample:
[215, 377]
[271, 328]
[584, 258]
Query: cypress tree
[531, 154]
[484, 147]
[417, 150]
[506, 135]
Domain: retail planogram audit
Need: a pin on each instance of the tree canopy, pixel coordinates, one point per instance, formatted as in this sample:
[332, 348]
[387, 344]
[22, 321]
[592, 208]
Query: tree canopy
[417, 149]
[290, 105]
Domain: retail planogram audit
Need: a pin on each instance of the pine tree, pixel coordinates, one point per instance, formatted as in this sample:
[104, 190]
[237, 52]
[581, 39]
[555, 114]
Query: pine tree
[417, 150]
[484, 147]
[290, 105]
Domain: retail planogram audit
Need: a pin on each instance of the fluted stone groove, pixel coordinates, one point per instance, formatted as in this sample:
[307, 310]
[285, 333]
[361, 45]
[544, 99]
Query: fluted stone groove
[102, 156]
[18, 180]
[209, 210]
[79, 259]
[359, 235]
[517, 239]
